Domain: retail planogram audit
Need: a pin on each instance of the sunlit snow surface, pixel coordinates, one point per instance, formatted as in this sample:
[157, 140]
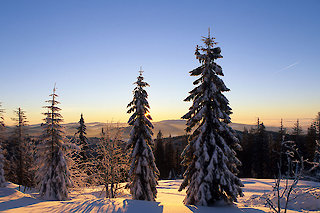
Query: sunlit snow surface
[169, 200]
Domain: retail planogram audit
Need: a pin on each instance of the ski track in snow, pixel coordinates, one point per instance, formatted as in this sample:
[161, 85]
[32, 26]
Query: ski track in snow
[168, 200]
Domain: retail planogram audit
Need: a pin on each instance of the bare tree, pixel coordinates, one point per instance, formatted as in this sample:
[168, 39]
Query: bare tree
[286, 183]
[315, 169]
[112, 162]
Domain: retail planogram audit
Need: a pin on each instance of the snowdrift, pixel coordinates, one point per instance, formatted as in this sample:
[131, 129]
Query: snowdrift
[169, 200]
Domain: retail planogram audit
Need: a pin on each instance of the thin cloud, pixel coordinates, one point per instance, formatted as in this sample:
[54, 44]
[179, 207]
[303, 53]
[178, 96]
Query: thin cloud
[289, 66]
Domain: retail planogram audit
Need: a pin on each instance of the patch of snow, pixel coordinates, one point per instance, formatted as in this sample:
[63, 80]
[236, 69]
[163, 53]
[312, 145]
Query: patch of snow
[169, 200]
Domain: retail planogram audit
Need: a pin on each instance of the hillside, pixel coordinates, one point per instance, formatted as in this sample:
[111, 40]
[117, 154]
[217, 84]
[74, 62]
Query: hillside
[168, 127]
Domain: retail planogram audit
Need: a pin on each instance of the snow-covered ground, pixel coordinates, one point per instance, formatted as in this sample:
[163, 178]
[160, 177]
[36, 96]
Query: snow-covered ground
[169, 200]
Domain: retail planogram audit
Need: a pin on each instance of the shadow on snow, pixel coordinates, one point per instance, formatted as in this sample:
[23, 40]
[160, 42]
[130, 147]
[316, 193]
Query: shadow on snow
[231, 209]
[109, 205]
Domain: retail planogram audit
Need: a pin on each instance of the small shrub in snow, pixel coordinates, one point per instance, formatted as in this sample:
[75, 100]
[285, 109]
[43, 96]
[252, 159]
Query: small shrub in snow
[111, 162]
[285, 185]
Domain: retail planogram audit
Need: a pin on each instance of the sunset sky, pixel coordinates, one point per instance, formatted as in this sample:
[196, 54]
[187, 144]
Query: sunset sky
[93, 51]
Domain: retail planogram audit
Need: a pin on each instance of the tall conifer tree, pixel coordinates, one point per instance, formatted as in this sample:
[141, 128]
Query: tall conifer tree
[297, 130]
[276, 156]
[21, 159]
[262, 160]
[2, 179]
[1, 119]
[54, 176]
[317, 125]
[83, 141]
[311, 142]
[316, 160]
[159, 154]
[2, 128]
[297, 136]
[210, 155]
[143, 172]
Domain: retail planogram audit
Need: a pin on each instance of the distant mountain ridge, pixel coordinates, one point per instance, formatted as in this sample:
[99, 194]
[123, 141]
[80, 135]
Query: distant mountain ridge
[167, 127]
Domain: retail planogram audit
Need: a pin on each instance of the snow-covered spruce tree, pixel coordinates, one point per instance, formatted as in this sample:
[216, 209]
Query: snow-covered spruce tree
[2, 128]
[53, 176]
[210, 155]
[143, 172]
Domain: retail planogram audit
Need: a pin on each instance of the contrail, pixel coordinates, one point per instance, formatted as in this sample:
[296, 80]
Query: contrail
[289, 66]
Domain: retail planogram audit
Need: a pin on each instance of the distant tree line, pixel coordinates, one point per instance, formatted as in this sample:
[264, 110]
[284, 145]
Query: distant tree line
[167, 152]
[260, 149]
[259, 155]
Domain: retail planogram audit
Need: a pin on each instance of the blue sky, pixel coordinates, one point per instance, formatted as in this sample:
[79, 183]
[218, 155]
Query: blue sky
[93, 51]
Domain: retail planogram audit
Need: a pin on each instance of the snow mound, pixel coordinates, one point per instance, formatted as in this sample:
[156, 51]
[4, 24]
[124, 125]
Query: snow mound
[305, 197]
[12, 198]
